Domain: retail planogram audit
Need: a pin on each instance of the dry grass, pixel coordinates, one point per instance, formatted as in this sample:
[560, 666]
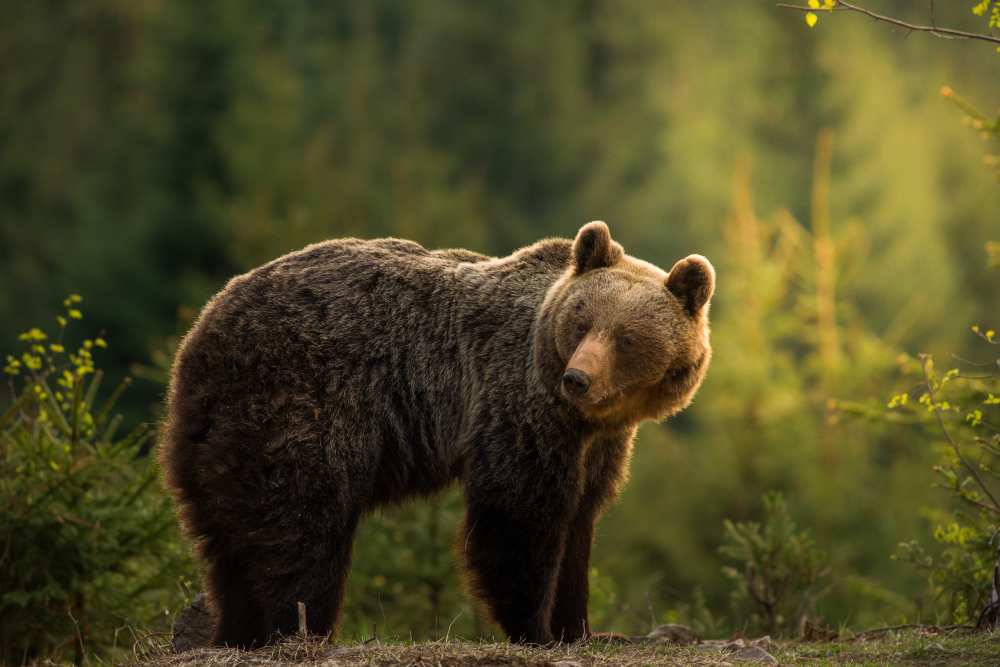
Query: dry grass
[921, 646]
[299, 653]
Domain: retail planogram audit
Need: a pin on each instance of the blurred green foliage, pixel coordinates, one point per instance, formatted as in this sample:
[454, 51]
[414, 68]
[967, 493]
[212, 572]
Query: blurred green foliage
[150, 150]
[404, 581]
[90, 547]
[980, 121]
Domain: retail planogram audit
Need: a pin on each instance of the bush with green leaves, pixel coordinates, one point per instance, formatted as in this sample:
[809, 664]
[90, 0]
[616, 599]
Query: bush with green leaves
[958, 411]
[781, 573]
[88, 546]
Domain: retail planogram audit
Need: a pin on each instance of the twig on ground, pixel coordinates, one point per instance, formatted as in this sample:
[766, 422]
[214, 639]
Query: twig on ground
[875, 632]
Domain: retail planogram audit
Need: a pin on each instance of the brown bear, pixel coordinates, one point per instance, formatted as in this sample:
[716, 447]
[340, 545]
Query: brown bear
[353, 374]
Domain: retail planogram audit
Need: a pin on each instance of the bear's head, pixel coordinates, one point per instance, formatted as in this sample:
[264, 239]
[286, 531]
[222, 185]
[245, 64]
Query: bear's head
[620, 339]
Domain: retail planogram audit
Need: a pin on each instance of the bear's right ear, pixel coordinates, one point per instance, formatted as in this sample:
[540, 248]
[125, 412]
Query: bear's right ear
[594, 248]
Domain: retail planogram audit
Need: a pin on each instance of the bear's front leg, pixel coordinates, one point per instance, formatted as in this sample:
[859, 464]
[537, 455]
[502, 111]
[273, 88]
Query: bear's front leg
[513, 562]
[569, 612]
[605, 465]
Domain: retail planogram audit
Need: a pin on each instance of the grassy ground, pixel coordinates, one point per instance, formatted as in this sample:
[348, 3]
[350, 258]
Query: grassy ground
[906, 647]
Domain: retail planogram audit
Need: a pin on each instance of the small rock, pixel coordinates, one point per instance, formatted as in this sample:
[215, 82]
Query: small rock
[754, 654]
[565, 663]
[674, 633]
[193, 626]
[734, 645]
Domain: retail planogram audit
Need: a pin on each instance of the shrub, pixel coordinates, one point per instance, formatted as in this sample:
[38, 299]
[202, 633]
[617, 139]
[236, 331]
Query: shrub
[781, 570]
[958, 411]
[87, 540]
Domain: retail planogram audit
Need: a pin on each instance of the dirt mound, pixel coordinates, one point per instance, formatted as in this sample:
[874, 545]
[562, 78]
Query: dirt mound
[319, 653]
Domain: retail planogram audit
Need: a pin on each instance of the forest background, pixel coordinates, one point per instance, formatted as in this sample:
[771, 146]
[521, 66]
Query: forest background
[151, 150]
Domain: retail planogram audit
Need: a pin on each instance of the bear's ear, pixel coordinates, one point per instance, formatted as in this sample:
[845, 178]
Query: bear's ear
[594, 248]
[692, 281]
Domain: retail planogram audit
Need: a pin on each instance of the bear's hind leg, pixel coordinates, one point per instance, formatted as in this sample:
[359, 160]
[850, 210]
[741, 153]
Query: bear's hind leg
[319, 584]
[240, 621]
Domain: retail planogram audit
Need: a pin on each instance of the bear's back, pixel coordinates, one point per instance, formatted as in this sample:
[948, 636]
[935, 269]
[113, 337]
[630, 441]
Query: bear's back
[387, 337]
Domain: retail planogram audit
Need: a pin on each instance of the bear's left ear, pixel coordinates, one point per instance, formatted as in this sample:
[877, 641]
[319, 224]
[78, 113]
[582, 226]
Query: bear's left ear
[594, 249]
[692, 281]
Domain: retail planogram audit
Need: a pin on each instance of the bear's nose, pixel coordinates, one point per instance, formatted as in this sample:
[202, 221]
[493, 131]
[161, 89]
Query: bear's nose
[575, 382]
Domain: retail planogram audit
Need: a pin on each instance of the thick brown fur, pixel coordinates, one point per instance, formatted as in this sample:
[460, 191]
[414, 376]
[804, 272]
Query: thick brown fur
[353, 374]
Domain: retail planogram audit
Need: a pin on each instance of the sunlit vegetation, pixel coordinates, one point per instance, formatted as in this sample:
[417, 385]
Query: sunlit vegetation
[836, 472]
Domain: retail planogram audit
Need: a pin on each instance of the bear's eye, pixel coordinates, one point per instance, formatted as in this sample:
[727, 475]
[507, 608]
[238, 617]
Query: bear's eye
[582, 327]
[625, 342]
[679, 373]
